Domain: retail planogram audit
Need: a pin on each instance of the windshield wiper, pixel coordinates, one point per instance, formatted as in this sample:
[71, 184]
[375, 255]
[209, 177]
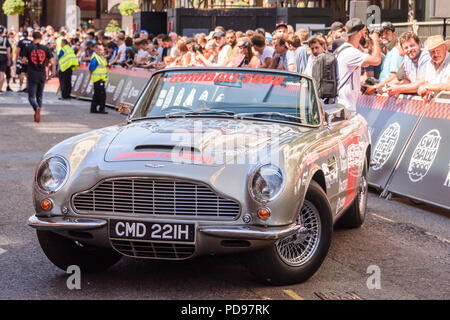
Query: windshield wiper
[270, 114]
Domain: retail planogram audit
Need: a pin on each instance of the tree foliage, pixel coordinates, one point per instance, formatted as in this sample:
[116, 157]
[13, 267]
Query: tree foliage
[113, 26]
[127, 8]
[11, 7]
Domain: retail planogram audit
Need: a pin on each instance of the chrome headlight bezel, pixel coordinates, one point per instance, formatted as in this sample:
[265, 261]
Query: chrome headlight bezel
[254, 175]
[40, 169]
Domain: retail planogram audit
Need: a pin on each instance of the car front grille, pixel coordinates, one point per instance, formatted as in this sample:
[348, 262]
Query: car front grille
[155, 250]
[155, 197]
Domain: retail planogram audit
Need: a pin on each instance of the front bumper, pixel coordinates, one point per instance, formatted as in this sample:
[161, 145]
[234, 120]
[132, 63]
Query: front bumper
[240, 232]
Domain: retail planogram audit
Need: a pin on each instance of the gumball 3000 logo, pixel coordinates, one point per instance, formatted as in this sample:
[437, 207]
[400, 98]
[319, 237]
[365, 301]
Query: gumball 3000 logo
[424, 155]
[385, 145]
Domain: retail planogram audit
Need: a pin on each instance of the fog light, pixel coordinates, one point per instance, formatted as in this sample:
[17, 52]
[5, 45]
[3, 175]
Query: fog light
[46, 204]
[263, 213]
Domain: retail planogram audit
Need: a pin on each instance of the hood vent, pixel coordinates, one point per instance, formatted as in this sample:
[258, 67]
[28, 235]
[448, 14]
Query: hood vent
[146, 147]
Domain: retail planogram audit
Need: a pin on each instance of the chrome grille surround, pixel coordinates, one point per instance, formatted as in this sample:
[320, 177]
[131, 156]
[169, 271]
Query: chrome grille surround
[153, 250]
[156, 197]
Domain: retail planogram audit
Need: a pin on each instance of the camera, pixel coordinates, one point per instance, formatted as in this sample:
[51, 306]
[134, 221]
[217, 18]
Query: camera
[374, 29]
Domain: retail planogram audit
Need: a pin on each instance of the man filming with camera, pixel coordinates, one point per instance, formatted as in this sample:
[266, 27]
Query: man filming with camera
[350, 60]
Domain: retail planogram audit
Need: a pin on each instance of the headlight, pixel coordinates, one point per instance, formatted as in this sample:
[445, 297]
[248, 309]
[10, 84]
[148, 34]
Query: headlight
[266, 183]
[52, 174]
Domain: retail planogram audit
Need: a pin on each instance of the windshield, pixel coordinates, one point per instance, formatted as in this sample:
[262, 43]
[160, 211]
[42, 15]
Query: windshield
[234, 93]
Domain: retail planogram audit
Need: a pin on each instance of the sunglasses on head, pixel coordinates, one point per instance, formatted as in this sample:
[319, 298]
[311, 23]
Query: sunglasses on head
[244, 45]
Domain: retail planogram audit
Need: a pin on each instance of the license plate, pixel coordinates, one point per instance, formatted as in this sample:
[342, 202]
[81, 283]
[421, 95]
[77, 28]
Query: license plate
[154, 231]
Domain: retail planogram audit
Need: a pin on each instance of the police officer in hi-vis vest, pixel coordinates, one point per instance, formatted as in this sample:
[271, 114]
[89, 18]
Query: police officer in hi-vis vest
[68, 62]
[99, 70]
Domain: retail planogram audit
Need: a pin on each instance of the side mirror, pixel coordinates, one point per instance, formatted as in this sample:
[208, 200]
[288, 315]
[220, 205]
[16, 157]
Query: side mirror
[335, 112]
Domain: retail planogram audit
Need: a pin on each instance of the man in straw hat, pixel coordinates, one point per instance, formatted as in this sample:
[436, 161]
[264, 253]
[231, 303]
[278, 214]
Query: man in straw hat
[437, 74]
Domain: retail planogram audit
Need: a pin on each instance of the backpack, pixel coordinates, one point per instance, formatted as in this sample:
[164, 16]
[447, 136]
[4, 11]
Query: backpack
[324, 75]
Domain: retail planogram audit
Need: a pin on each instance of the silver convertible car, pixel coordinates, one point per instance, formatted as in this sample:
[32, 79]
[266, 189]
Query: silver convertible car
[209, 161]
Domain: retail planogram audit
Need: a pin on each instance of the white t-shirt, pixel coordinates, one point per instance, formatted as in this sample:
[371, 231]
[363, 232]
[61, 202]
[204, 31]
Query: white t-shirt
[223, 55]
[267, 53]
[122, 49]
[142, 54]
[350, 61]
[440, 75]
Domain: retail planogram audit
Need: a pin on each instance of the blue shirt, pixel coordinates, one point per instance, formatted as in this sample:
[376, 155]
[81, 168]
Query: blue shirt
[391, 63]
[298, 57]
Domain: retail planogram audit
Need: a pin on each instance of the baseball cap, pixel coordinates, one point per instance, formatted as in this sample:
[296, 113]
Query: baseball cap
[2, 29]
[144, 32]
[281, 24]
[336, 44]
[218, 34]
[387, 26]
[354, 25]
[337, 25]
[25, 33]
[269, 37]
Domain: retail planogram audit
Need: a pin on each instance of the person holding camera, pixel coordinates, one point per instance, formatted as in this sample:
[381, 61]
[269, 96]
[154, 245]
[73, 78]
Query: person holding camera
[351, 60]
[392, 60]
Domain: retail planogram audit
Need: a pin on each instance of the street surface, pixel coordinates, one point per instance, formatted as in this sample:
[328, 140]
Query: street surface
[408, 243]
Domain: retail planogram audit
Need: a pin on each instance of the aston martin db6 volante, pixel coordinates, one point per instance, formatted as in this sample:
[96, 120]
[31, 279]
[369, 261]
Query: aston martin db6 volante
[209, 161]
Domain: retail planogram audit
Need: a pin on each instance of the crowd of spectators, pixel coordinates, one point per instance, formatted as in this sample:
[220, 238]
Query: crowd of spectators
[376, 61]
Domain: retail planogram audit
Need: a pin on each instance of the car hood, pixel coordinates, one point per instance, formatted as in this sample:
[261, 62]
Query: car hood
[203, 141]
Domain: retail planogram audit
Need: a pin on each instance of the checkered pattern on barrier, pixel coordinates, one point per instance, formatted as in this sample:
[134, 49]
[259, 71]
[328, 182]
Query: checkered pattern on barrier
[436, 110]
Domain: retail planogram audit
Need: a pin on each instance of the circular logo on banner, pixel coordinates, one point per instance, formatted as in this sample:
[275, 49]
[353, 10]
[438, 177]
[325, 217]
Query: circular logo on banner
[386, 145]
[424, 155]
[118, 89]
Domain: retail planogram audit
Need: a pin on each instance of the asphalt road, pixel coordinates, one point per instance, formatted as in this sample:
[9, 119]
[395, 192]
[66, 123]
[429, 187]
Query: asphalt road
[409, 244]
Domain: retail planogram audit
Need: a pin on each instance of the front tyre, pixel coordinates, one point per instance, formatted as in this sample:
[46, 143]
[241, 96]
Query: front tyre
[63, 252]
[296, 258]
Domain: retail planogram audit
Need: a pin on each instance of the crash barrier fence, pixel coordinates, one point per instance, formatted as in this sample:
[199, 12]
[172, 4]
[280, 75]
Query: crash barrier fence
[122, 86]
[410, 137]
[410, 140]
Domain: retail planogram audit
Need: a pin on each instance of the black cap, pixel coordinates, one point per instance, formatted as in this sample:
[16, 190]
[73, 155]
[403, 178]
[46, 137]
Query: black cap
[25, 33]
[337, 25]
[218, 34]
[353, 26]
[387, 26]
[336, 44]
[2, 29]
[281, 24]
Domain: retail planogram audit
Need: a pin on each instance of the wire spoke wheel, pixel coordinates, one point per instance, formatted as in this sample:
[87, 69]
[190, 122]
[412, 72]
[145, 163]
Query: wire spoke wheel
[298, 249]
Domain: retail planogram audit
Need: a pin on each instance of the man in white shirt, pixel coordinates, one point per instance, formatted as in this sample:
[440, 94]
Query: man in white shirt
[121, 51]
[437, 70]
[350, 61]
[221, 42]
[265, 53]
[168, 51]
[414, 64]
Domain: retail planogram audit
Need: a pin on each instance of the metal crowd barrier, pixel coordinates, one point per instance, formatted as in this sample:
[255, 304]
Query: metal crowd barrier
[123, 85]
[410, 138]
